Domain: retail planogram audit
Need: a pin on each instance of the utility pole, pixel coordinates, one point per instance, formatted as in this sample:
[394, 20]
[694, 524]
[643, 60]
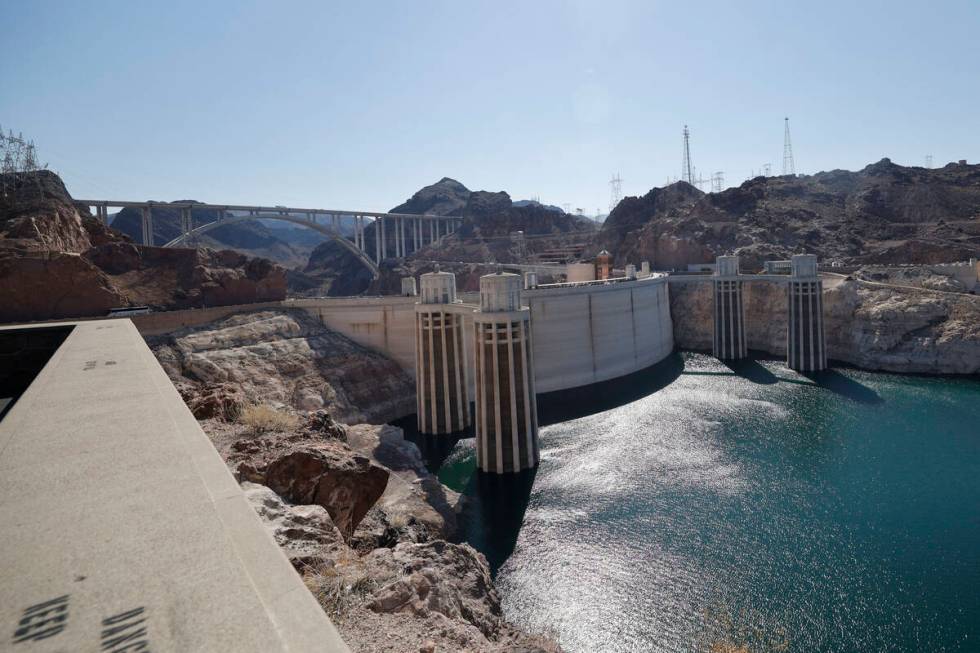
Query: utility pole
[615, 191]
[687, 170]
[789, 167]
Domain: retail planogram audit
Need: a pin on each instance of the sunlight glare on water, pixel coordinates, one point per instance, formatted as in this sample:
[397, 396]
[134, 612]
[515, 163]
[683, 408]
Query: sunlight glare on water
[747, 505]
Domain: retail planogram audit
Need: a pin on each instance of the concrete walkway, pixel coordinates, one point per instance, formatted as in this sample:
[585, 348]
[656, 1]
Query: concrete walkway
[122, 528]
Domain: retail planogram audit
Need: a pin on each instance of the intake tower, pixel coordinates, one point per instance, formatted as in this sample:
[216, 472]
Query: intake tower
[506, 409]
[729, 313]
[805, 350]
[440, 384]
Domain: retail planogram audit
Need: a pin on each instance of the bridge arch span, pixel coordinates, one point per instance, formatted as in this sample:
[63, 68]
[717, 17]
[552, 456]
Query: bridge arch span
[323, 229]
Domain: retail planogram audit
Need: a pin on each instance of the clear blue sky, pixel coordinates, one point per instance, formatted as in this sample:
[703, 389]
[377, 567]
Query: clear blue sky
[340, 106]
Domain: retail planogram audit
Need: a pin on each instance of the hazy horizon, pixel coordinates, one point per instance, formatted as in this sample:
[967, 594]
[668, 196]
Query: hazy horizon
[359, 107]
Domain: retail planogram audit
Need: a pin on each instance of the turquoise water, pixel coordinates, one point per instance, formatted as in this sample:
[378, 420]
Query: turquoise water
[695, 505]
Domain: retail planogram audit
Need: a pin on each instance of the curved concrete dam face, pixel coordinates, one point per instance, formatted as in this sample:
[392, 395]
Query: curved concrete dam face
[580, 333]
[590, 333]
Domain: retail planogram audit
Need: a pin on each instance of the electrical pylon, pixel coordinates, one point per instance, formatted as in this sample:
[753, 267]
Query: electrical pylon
[789, 167]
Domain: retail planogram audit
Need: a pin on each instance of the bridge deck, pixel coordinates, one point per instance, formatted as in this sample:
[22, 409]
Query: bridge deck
[119, 519]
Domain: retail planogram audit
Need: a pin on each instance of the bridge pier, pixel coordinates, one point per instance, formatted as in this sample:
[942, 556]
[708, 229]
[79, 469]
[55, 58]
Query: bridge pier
[147, 225]
[506, 407]
[805, 344]
[400, 236]
[186, 225]
[440, 381]
[729, 341]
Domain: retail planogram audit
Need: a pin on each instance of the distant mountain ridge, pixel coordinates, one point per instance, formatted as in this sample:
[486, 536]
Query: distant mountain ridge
[884, 213]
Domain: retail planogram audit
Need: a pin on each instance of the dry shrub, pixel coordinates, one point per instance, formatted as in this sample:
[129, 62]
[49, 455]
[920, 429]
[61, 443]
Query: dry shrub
[338, 592]
[261, 418]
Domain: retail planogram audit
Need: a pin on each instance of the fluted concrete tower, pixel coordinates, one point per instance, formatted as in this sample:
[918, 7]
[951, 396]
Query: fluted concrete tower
[805, 349]
[729, 311]
[440, 379]
[506, 408]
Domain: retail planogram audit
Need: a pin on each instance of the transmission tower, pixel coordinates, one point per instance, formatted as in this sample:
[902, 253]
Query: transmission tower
[767, 170]
[687, 170]
[717, 181]
[789, 168]
[615, 191]
[928, 160]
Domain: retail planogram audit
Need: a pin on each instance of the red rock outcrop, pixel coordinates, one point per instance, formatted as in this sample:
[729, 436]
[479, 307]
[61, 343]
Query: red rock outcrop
[58, 263]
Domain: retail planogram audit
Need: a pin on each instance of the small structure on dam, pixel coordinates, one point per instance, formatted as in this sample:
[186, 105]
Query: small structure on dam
[440, 384]
[805, 349]
[729, 311]
[506, 408]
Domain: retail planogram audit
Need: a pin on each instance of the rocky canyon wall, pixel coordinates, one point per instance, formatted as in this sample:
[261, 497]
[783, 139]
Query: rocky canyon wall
[873, 326]
[371, 530]
[56, 261]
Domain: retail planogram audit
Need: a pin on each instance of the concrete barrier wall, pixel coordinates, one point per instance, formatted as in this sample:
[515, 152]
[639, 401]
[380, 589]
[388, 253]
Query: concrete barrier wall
[154, 324]
[581, 335]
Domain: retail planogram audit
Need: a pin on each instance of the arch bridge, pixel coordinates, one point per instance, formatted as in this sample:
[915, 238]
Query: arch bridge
[396, 234]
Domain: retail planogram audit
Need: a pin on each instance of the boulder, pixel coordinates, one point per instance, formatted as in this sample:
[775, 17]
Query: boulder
[306, 469]
[320, 423]
[223, 401]
[306, 533]
[451, 579]
[347, 486]
[415, 506]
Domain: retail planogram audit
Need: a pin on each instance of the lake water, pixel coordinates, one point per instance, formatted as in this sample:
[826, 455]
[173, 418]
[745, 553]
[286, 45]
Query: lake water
[695, 506]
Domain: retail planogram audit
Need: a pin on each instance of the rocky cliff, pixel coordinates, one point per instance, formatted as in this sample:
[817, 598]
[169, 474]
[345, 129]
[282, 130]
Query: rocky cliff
[56, 262]
[873, 326]
[286, 358]
[352, 505]
[885, 213]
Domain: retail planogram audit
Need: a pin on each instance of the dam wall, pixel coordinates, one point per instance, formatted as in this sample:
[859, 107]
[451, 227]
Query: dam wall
[766, 314]
[580, 333]
[583, 334]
